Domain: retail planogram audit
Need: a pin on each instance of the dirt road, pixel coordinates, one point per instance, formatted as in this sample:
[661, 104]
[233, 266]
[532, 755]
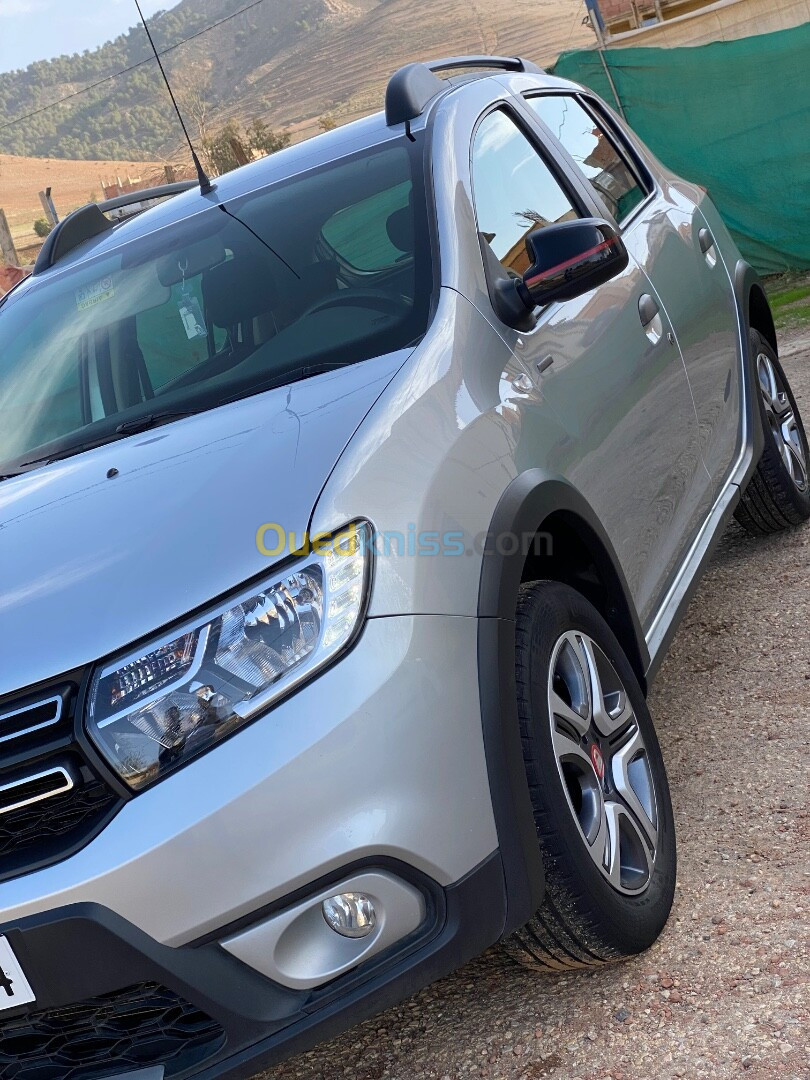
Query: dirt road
[726, 991]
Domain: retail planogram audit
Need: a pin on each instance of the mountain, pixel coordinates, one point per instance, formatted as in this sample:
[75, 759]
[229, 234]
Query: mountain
[288, 62]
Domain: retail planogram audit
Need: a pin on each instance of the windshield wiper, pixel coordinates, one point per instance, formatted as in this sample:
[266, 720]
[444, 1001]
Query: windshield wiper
[127, 427]
[74, 448]
[151, 420]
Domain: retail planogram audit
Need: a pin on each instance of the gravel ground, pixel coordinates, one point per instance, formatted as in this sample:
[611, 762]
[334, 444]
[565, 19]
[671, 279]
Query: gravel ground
[726, 991]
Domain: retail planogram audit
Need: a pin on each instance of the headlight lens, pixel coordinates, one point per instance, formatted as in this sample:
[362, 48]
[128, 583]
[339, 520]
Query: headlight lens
[152, 710]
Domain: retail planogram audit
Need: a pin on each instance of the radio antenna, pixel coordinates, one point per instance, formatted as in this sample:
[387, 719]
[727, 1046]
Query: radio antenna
[205, 183]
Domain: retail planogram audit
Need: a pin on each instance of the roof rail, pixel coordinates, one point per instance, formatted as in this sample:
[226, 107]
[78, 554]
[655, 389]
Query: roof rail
[413, 86]
[161, 192]
[81, 225]
[90, 220]
[505, 63]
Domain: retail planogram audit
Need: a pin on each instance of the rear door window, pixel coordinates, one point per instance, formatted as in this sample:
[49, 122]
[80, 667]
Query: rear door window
[599, 158]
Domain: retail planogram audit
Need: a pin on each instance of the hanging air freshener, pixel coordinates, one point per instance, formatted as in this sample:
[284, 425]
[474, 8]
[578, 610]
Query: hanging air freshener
[189, 307]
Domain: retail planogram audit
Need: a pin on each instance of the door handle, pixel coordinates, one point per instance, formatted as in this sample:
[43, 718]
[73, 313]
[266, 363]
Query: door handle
[706, 240]
[647, 309]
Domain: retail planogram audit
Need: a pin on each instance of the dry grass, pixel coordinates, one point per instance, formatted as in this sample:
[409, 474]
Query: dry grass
[72, 182]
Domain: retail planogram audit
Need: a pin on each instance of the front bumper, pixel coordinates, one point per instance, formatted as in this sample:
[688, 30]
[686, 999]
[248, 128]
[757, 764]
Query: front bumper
[379, 762]
[235, 1021]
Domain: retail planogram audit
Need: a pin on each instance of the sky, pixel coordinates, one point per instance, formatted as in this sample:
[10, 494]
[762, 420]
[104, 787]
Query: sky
[40, 29]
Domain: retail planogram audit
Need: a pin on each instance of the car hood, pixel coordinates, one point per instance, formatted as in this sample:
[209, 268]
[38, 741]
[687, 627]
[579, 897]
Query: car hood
[89, 563]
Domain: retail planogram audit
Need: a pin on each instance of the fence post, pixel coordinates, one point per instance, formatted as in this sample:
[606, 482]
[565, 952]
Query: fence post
[7, 248]
[48, 207]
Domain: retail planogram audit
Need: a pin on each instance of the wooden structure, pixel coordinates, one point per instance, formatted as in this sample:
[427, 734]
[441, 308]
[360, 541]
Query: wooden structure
[667, 23]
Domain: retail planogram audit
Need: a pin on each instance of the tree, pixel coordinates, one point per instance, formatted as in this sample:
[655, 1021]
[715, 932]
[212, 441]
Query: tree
[219, 148]
[231, 147]
[192, 88]
[263, 140]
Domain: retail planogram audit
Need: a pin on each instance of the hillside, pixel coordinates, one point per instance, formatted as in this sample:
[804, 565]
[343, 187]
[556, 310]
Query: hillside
[288, 63]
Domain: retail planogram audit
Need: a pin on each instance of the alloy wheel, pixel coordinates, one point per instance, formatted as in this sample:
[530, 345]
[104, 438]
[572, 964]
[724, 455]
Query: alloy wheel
[782, 421]
[603, 763]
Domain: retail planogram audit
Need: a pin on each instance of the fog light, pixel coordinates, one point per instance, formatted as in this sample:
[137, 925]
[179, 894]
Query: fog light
[350, 914]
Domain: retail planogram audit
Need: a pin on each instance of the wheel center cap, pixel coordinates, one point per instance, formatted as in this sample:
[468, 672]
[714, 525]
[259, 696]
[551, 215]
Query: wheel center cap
[598, 761]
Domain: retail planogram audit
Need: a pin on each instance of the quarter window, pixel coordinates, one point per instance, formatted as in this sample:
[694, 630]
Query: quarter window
[594, 152]
[515, 191]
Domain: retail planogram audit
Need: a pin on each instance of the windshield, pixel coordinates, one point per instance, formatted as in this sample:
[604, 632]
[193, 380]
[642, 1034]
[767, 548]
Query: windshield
[328, 268]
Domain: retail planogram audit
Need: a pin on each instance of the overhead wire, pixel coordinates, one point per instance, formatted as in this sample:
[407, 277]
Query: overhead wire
[127, 70]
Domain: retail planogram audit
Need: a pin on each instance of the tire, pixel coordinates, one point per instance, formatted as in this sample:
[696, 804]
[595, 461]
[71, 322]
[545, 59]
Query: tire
[778, 494]
[586, 919]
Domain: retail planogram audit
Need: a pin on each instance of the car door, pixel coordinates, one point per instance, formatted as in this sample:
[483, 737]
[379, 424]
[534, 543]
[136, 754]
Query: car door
[618, 387]
[667, 235]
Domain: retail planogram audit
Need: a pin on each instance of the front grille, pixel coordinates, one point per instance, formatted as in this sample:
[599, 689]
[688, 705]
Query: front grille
[50, 829]
[33, 789]
[23, 720]
[134, 1028]
[53, 800]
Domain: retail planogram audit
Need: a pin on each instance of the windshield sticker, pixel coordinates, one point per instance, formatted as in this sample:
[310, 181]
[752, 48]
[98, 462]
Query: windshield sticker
[94, 293]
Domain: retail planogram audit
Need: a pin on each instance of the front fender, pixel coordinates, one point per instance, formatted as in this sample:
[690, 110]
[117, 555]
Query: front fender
[524, 506]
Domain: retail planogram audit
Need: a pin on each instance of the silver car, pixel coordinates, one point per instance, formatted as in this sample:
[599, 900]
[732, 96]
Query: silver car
[347, 511]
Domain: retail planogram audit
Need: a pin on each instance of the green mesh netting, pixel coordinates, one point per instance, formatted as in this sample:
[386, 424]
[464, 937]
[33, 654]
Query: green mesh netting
[733, 116]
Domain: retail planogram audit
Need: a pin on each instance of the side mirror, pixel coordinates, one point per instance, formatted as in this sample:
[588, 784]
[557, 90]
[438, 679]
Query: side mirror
[569, 259]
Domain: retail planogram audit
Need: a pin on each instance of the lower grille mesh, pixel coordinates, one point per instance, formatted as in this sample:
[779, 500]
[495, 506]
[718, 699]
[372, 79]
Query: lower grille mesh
[134, 1028]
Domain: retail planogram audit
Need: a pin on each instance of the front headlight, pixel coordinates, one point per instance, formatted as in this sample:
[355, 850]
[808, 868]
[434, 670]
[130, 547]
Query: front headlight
[153, 709]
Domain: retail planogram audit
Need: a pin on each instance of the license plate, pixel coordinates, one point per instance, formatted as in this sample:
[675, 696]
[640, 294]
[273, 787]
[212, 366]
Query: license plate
[14, 987]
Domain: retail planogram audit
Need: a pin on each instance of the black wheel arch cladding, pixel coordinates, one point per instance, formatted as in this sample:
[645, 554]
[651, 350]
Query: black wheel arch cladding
[529, 501]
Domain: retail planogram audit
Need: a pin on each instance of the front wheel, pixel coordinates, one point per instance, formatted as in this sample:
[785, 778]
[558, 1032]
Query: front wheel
[778, 494]
[598, 788]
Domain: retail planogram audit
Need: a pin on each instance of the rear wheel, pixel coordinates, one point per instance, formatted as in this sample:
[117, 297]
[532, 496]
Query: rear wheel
[778, 494]
[598, 788]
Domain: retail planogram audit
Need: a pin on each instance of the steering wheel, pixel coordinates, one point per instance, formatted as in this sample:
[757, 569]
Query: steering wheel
[368, 298]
